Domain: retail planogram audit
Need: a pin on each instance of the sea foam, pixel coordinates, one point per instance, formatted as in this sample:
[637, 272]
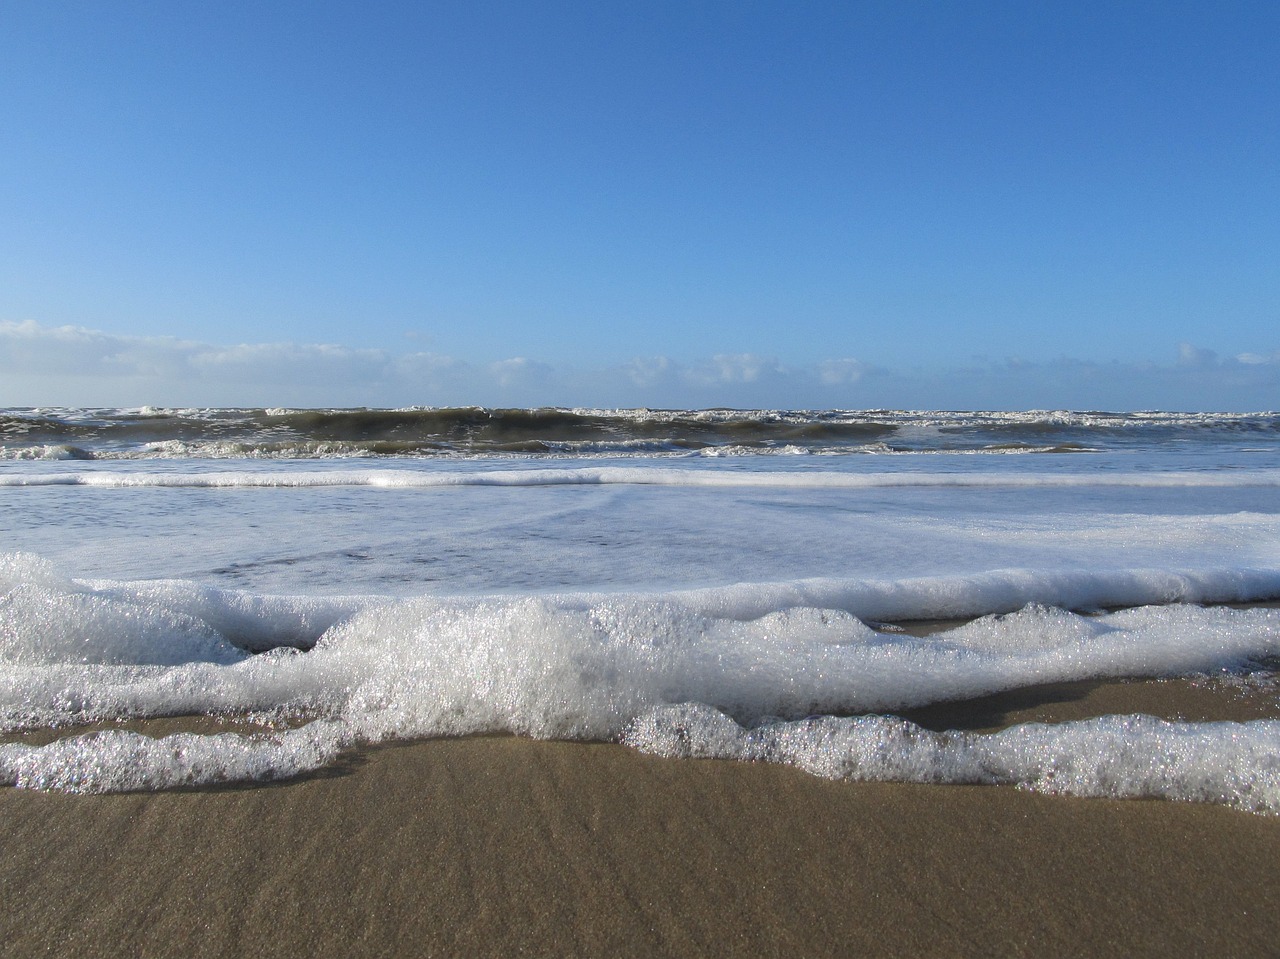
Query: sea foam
[1236, 764]
[579, 667]
[678, 580]
[408, 478]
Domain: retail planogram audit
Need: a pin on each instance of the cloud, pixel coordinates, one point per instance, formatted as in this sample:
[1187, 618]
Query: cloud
[1197, 379]
[520, 371]
[74, 366]
[31, 348]
[93, 367]
[249, 362]
[1259, 359]
[76, 351]
[645, 371]
[1195, 357]
[741, 367]
[843, 372]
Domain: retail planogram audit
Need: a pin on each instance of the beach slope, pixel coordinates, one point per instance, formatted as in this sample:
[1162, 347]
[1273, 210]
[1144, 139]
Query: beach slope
[505, 846]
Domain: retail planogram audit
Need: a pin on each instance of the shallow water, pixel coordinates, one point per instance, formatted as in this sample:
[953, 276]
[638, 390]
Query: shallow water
[639, 596]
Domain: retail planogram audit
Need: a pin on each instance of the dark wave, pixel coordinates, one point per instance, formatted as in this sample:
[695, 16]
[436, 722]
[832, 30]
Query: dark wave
[1115, 430]
[67, 433]
[406, 432]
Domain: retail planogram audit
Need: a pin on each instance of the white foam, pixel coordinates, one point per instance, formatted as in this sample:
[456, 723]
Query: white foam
[992, 591]
[120, 761]
[48, 617]
[43, 452]
[571, 666]
[1236, 764]
[759, 649]
[45, 619]
[644, 476]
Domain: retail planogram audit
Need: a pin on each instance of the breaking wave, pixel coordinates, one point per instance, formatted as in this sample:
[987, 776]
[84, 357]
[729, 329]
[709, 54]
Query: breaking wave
[470, 431]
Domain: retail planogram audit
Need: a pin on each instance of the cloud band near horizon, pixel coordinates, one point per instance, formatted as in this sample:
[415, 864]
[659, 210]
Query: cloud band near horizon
[75, 366]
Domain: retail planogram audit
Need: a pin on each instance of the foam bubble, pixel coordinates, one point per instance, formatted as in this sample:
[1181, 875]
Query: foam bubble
[408, 478]
[1236, 764]
[45, 619]
[121, 761]
[568, 666]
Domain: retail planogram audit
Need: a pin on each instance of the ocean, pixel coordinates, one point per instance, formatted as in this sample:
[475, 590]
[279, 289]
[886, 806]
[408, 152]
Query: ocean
[714, 583]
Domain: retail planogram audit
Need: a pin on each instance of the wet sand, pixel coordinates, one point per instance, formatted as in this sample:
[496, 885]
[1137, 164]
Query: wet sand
[504, 846]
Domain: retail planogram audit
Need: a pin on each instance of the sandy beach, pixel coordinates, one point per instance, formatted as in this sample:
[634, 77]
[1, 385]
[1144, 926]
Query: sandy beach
[505, 846]
[593, 479]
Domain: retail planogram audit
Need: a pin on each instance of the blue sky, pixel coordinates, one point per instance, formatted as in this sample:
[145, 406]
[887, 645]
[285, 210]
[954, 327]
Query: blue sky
[993, 205]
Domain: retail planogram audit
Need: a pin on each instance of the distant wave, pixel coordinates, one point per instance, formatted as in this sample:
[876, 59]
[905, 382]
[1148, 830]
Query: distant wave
[54, 434]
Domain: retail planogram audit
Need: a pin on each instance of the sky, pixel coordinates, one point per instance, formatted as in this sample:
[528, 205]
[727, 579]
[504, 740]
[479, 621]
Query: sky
[963, 205]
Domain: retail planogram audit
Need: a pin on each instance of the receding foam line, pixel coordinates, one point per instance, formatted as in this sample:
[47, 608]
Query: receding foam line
[710, 670]
[623, 476]
[982, 593]
[1237, 764]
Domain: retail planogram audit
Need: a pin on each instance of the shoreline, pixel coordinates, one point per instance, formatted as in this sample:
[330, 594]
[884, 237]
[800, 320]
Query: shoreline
[501, 846]
[1235, 698]
[498, 845]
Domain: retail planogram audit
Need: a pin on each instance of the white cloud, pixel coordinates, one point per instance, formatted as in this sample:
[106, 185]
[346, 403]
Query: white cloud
[843, 372]
[1195, 356]
[732, 368]
[520, 371]
[102, 368]
[29, 347]
[645, 371]
[248, 362]
[742, 367]
[74, 366]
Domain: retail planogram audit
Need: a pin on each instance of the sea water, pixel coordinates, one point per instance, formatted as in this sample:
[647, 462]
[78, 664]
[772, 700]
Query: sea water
[690, 583]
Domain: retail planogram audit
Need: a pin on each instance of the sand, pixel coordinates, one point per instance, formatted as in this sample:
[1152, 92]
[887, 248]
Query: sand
[504, 846]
